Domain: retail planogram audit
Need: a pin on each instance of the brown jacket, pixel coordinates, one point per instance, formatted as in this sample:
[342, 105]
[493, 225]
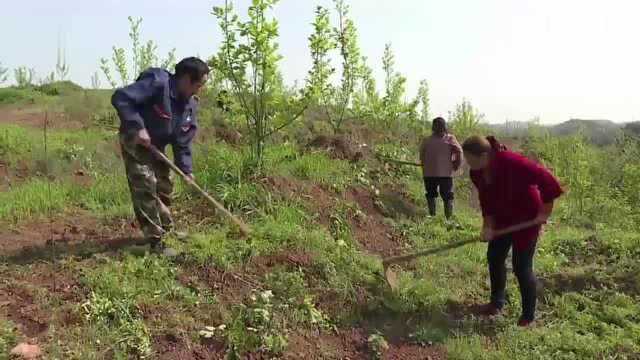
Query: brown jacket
[440, 156]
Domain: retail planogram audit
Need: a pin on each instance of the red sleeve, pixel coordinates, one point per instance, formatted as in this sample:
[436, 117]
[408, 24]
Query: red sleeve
[485, 203]
[455, 145]
[535, 174]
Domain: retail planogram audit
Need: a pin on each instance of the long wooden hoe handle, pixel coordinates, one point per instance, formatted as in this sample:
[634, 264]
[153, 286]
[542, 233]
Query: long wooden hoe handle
[401, 162]
[404, 258]
[243, 227]
[518, 227]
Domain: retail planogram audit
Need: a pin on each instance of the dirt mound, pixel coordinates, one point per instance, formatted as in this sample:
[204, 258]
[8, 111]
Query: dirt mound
[34, 117]
[21, 296]
[372, 231]
[286, 188]
[291, 259]
[229, 135]
[71, 234]
[339, 147]
[171, 347]
[353, 344]
[231, 286]
[395, 204]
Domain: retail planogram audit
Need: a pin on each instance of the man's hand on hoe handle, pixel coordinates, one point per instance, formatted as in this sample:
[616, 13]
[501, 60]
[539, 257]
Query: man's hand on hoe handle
[143, 138]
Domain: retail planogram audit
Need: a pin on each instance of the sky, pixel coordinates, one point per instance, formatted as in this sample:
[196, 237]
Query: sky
[513, 59]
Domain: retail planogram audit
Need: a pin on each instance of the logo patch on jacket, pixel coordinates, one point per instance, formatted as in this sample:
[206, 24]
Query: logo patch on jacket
[160, 112]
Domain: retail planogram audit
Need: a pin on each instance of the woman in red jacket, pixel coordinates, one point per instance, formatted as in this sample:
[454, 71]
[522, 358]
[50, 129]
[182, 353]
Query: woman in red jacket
[516, 197]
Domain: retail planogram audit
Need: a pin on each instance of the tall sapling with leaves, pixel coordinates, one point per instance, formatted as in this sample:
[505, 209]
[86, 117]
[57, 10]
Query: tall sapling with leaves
[248, 59]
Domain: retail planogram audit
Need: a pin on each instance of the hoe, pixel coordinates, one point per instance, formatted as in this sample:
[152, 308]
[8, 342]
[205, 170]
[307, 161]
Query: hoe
[392, 276]
[243, 227]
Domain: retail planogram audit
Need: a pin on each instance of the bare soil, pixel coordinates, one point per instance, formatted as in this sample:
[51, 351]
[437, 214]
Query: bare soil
[338, 147]
[34, 117]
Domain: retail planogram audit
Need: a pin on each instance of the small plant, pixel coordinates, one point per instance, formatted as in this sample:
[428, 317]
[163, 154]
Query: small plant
[3, 73]
[24, 76]
[72, 152]
[395, 87]
[248, 61]
[143, 57]
[465, 119]
[95, 81]
[290, 290]
[321, 43]
[289, 286]
[62, 67]
[122, 316]
[423, 100]
[210, 332]
[255, 327]
[347, 39]
[377, 345]
[428, 336]
[106, 119]
[8, 338]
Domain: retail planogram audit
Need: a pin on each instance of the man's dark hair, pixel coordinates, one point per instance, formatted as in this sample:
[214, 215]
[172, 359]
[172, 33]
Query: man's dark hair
[193, 67]
[439, 125]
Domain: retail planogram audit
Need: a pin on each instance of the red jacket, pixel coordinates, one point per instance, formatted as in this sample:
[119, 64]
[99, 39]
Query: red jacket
[516, 193]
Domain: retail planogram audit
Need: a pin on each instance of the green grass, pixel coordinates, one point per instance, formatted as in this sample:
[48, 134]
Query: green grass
[33, 200]
[108, 196]
[8, 338]
[586, 261]
[15, 142]
[14, 96]
[316, 167]
[118, 289]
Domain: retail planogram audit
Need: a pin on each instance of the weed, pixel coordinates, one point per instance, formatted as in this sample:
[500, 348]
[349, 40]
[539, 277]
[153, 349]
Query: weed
[428, 335]
[32, 199]
[289, 286]
[255, 327]
[318, 168]
[117, 289]
[108, 196]
[468, 348]
[147, 279]
[377, 345]
[8, 338]
[214, 247]
[290, 290]
[121, 317]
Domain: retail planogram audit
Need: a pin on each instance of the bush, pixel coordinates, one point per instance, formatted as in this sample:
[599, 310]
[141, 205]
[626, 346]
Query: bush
[59, 88]
[8, 338]
[13, 95]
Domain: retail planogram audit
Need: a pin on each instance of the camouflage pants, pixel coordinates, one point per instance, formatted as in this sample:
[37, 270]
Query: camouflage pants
[151, 188]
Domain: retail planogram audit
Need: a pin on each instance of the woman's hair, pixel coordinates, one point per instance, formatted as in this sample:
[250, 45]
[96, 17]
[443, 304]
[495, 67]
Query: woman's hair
[476, 145]
[439, 126]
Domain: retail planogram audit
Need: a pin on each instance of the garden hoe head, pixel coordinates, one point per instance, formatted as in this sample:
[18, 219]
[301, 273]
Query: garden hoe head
[388, 264]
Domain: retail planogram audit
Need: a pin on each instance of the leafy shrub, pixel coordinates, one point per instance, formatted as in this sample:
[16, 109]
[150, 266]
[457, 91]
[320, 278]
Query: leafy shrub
[59, 88]
[8, 338]
[14, 95]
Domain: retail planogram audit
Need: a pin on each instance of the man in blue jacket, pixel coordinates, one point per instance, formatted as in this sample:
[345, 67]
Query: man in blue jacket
[158, 109]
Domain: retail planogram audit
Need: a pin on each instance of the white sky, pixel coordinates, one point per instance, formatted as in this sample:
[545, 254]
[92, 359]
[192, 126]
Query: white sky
[514, 59]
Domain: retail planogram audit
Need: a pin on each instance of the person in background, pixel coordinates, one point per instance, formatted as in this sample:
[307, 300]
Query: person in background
[514, 193]
[158, 109]
[440, 157]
